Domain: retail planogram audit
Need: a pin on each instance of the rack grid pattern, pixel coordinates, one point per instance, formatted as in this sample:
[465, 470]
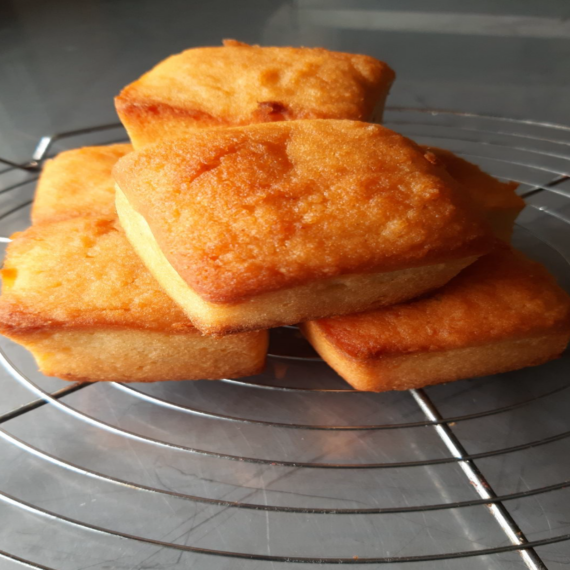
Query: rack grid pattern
[299, 421]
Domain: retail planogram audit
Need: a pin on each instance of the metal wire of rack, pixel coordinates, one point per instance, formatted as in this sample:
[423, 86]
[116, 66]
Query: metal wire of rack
[270, 419]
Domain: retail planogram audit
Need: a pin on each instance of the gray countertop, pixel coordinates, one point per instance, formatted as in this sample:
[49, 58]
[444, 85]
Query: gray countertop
[61, 63]
[107, 477]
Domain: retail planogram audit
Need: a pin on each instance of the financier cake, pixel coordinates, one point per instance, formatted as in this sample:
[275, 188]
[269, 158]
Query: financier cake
[238, 84]
[271, 224]
[497, 199]
[76, 295]
[502, 313]
[78, 182]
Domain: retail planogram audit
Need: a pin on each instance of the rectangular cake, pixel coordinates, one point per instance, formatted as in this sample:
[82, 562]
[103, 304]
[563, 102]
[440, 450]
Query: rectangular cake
[78, 182]
[76, 295]
[502, 313]
[238, 84]
[497, 199]
[272, 224]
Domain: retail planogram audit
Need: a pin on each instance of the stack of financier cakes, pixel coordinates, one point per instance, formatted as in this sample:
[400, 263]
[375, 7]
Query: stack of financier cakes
[260, 193]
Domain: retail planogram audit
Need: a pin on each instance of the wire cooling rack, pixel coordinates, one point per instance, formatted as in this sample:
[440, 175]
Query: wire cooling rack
[292, 466]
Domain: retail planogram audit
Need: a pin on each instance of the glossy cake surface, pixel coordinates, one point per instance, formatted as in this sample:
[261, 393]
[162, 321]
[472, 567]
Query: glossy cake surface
[78, 182]
[77, 296]
[239, 84]
[496, 198]
[501, 313]
[82, 272]
[244, 211]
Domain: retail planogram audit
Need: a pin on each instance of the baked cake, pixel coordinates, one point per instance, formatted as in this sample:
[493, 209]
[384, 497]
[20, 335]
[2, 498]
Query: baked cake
[238, 84]
[497, 199]
[77, 183]
[271, 224]
[502, 313]
[77, 296]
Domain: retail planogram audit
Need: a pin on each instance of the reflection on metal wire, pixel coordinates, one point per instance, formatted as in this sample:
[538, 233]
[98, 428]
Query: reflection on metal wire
[467, 128]
[370, 427]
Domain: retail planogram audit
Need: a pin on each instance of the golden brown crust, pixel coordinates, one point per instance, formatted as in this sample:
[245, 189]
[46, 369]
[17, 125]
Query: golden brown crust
[240, 84]
[419, 369]
[78, 183]
[502, 296]
[242, 211]
[77, 296]
[80, 273]
[330, 296]
[486, 191]
[326, 297]
[497, 200]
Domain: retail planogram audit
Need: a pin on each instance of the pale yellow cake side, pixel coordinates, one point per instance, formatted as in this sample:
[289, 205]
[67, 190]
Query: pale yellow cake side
[339, 295]
[131, 355]
[78, 297]
[502, 313]
[407, 371]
